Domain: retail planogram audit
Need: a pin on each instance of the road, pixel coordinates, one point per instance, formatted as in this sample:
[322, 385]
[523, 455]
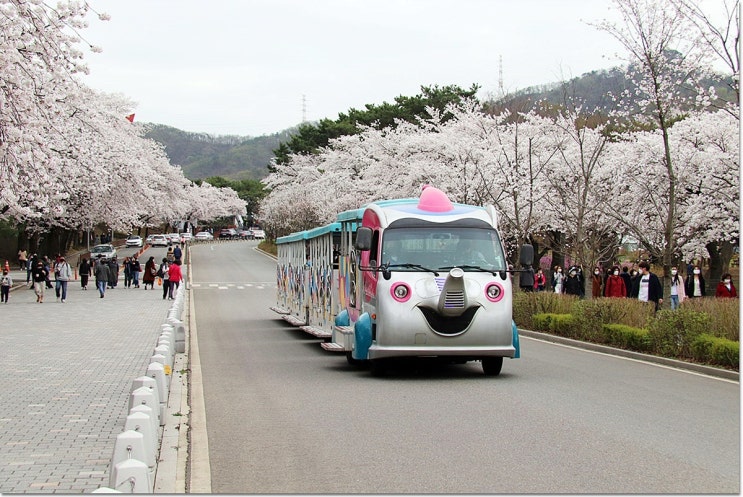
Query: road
[285, 416]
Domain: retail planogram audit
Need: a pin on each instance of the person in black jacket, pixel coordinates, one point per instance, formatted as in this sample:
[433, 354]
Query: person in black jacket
[695, 284]
[573, 284]
[650, 289]
[627, 280]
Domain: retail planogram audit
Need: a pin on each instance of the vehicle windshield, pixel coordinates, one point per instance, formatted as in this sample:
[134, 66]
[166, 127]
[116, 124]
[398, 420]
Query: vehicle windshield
[101, 249]
[471, 249]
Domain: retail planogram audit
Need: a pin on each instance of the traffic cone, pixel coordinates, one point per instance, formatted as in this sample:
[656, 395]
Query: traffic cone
[7, 265]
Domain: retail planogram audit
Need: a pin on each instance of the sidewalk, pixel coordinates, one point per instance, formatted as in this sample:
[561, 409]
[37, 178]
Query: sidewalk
[67, 376]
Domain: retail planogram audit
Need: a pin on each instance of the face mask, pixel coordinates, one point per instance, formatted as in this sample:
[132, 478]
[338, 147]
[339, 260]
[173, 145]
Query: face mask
[559, 270]
[697, 271]
[727, 282]
[616, 273]
[595, 272]
[674, 272]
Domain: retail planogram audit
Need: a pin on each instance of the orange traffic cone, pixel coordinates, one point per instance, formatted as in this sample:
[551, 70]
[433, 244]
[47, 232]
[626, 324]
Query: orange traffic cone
[7, 265]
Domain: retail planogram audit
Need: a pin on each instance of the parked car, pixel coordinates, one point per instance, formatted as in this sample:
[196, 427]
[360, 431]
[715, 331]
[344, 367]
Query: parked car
[186, 237]
[228, 233]
[203, 235]
[148, 240]
[106, 250]
[246, 234]
[159, 241]
[173, 238]
[259, 234]
[134, 241]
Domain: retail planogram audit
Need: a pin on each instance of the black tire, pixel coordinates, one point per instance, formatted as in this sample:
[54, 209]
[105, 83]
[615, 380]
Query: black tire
[491, 366]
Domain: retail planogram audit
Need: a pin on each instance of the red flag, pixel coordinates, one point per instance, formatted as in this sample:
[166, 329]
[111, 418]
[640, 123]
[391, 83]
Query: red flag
[130, 117]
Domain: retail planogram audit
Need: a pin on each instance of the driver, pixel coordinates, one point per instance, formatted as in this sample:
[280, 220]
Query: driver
[468, 252]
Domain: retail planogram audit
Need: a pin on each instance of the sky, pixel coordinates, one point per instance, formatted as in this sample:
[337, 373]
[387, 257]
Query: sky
[257, 67]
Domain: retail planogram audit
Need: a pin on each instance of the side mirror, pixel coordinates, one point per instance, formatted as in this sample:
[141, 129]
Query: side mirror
[526, 256]
[363, 238]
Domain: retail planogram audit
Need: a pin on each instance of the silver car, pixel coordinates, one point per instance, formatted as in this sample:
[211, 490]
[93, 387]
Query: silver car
[106, 250]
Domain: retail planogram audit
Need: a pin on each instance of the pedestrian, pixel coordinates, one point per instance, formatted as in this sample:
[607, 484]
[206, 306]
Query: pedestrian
[596, 283]
[127, 272]
[84, 271]
[678, 290]
[626, 279]
[614, 287]
[48, 267]
[6, 282]
[101, 275]
[163, 273]
[695, 284]
[558, 280]
[650, 289]
[726, 288]
[634, 283]
[113, 275]
[62, 275]
[170, 255]
[22, 259]
[150, 271]
[175, 276]
[540, 280]
[30, 265]
[177, 252]
[136, 270]
[40, 275]
[573, 283]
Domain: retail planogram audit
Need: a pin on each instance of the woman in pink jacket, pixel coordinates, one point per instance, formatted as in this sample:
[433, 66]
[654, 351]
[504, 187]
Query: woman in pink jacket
[174, 277]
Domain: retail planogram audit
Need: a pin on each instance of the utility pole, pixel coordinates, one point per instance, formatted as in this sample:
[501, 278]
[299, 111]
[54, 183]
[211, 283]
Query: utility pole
[304, 108]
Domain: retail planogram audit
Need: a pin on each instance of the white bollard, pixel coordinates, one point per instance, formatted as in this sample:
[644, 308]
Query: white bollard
[147, 396]
[141, 423]
[180, 338]
[151, 415]
[144, 381]
[157, 370]
[131, 477]
[129, 445]
[166, 352]
[105, 490]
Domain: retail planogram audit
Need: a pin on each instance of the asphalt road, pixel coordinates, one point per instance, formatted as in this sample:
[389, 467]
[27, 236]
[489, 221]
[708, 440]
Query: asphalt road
[285, 416]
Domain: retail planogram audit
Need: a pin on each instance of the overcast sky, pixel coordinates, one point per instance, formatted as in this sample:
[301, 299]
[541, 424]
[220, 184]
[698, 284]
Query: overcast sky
[243, 67]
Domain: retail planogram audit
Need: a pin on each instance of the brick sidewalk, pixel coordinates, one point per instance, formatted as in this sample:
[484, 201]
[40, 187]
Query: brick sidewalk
[67, 375]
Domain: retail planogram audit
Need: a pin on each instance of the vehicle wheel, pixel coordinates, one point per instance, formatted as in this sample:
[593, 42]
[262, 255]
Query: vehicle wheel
[378, 367]
[351, 360]
[491, 366]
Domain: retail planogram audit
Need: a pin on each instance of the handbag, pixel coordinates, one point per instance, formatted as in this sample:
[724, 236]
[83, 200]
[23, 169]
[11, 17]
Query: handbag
[159, 281]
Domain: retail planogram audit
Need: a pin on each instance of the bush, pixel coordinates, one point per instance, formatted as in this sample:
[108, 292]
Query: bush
[672, 332]
[559, 324]
[527, 304]
[715, 350]
[724, 315]
[627, 337]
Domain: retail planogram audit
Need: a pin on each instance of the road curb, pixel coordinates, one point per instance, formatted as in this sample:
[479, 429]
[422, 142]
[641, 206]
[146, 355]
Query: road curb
[604, 349]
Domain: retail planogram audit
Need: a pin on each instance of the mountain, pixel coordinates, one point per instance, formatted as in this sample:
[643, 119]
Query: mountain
[202, 155]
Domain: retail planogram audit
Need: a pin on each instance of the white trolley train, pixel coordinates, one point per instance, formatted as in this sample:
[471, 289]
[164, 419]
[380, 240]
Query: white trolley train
[404, 278]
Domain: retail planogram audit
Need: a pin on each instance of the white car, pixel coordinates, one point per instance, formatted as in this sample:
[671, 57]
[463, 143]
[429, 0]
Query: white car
[259, 234]
[105, 250]
[159, 241]
[203, 235]
[173, 238]
[134, 241]
[186, 237]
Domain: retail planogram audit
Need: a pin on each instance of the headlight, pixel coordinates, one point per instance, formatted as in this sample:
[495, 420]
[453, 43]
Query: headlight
[494, 292]
[400, 292]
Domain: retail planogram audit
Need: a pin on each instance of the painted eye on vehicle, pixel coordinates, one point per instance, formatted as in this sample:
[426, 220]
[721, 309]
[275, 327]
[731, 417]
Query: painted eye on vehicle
[401, 292]
[494, 292]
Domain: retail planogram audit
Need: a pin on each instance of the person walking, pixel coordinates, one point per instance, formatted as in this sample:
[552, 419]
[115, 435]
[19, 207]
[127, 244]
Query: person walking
[695, 284]
[634, 283]
[540, 280]
[62, 274]
[163, 273]
[30, 266]
[175, 276]
[22, 259]
[113, 275]
[626, 279]
[726, 288]
[127, 272]
[678, 290]
[150, 271]
[596, 283]
[6, 282]
[101, 276]
[558, 280]
[177, 252]
[84, 271]
[614, 287]
[573, 284]
[40, 275]
[650, 289]
[136, 270]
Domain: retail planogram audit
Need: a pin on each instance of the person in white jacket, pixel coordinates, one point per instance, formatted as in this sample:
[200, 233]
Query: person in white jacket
[62, 273]
[678, 291]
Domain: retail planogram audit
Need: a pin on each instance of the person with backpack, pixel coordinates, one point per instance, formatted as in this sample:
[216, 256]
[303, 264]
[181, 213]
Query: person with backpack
[163, 273]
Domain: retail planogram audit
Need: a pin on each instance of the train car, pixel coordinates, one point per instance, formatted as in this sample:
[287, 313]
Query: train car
[417, 278]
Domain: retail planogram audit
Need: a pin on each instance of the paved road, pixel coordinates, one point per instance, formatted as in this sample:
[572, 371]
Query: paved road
[284, 416]
[67, 375]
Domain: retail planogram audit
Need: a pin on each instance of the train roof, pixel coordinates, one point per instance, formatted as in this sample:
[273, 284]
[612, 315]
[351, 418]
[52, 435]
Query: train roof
[312, 233]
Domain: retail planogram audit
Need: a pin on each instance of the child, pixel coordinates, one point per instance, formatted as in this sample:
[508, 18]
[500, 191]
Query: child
[5, 283]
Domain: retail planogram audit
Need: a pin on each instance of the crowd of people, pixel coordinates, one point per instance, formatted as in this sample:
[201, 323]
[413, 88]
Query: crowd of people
[44, 273]
[638, 283]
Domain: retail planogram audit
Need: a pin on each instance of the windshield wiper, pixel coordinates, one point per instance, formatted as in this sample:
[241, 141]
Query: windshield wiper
[386, 267]
[476, 268]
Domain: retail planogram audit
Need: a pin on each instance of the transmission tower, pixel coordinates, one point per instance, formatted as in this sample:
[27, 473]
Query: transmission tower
[304, 108]
[500, 75]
